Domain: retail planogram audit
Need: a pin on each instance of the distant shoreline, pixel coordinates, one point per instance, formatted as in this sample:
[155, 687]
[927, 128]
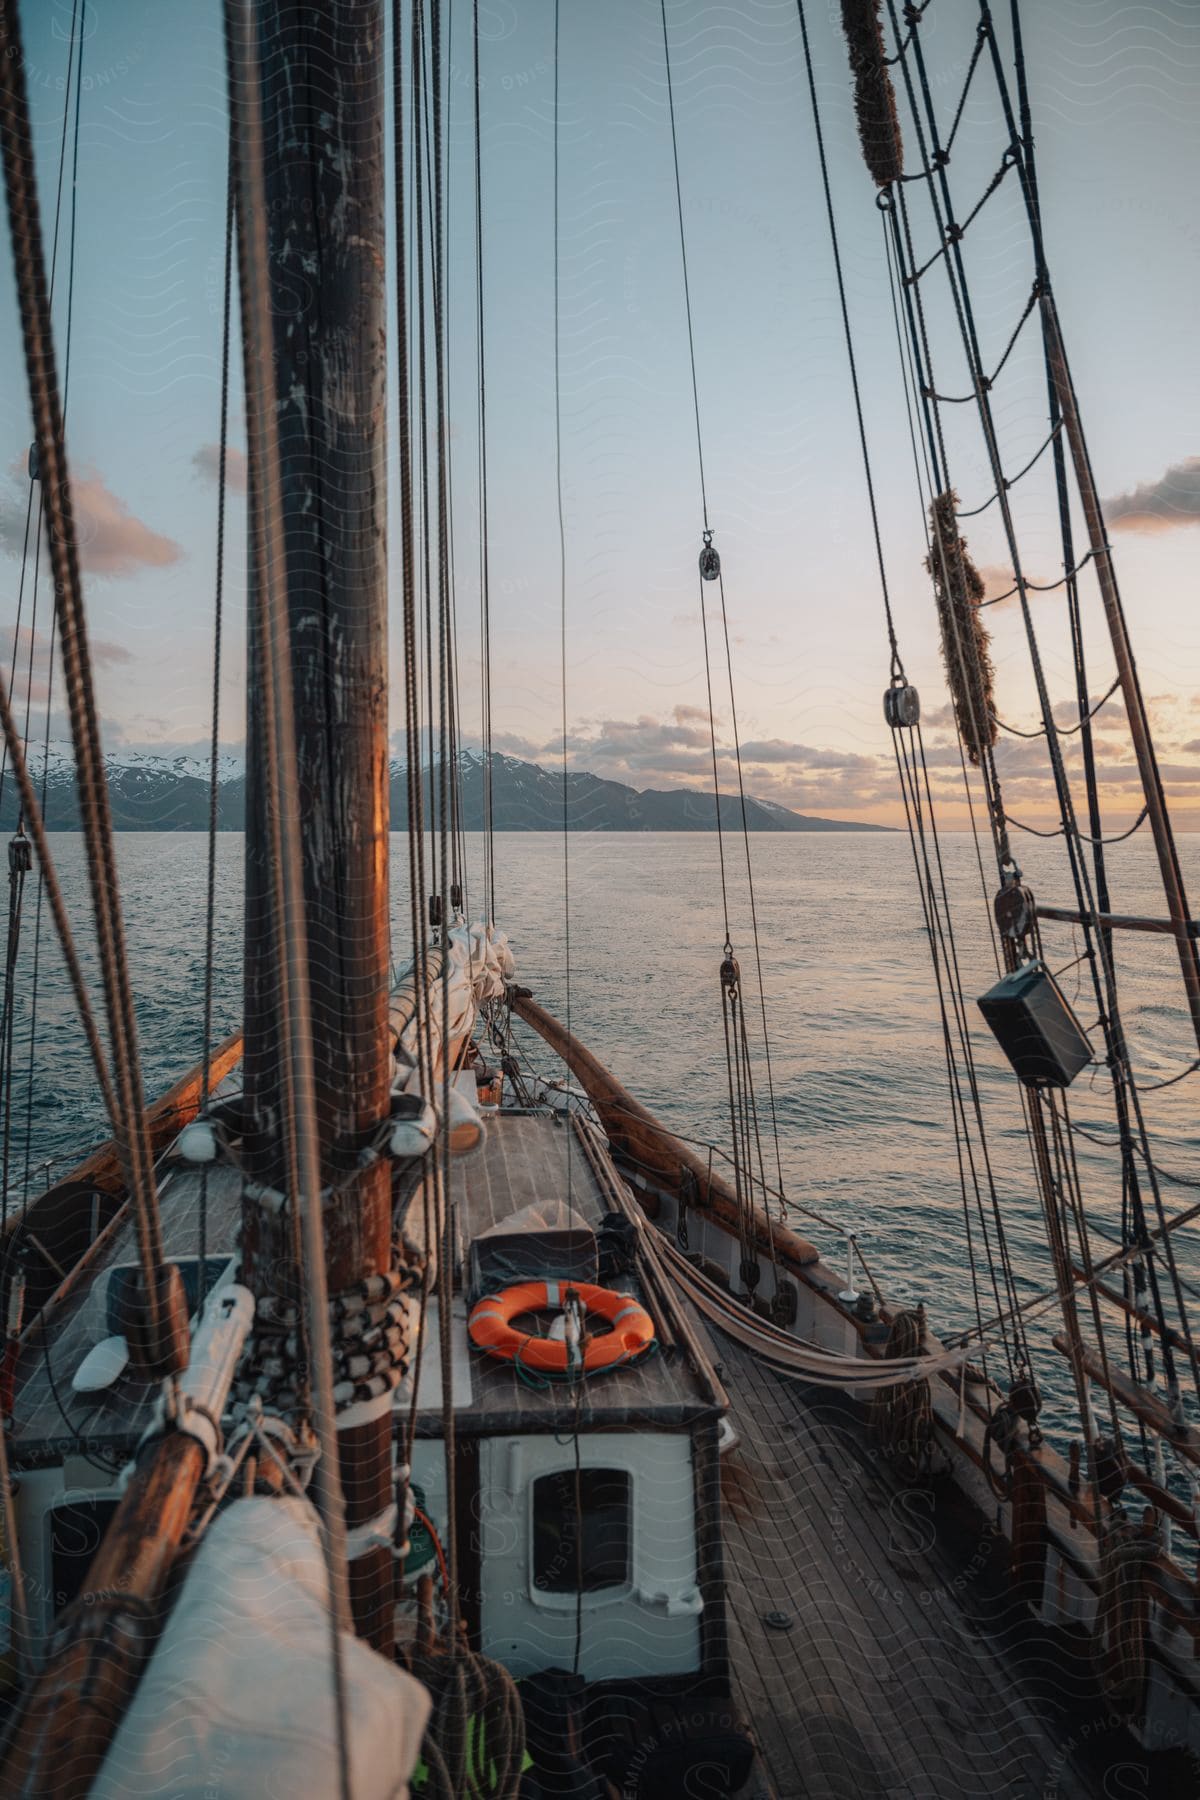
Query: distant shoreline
[149, 792]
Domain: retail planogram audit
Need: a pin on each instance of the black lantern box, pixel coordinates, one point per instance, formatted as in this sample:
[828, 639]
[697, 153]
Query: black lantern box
[1035, 1027]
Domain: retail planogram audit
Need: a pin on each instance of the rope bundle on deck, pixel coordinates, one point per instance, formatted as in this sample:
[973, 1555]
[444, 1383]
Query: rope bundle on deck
[475, 1740]
[966, 645]
[874, 96]
[902, 1416]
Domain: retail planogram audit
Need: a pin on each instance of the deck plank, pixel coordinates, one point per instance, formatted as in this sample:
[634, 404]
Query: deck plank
[885, 1685]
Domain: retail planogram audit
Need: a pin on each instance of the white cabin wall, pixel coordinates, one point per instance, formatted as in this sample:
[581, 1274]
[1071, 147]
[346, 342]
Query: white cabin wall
[648, 1627]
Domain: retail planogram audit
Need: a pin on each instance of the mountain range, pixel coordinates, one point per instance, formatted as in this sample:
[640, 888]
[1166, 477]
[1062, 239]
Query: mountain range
[161, 792]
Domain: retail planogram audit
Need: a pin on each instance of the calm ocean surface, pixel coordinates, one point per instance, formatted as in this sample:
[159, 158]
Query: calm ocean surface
[860, 1078]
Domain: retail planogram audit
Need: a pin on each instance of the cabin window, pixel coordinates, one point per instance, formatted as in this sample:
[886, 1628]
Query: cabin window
[581, 1533]
[76, 1529]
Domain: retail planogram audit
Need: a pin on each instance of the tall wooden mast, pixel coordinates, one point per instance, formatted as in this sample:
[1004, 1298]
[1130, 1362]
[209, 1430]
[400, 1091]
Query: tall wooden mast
[322, 105]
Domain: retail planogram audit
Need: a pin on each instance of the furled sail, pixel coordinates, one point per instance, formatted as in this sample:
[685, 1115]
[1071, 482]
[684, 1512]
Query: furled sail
[239, 1697]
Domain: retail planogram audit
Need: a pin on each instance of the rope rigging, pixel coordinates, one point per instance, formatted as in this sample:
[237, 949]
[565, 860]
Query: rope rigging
[405, 207]
[989, 381]
[923, 453]
[954, 231]
[1065, 730]
[74, 81]
[1081, 837]
[129, 1124]
[894, 207]
[71, 105]
[485, 615]
[446, 1237]
[1010, 481]
[210, 886]
[565, 787]
[1054, 1183]
[917, 796]
[743, 1108]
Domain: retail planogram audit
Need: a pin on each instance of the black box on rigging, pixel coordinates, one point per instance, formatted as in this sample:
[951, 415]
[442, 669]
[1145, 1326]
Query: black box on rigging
[1035, 1028]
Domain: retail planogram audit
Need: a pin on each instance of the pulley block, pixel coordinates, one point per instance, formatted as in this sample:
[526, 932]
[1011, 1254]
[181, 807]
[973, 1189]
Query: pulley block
[1025, 1398]
[710, 561]
[1015, 910]
[901, 705]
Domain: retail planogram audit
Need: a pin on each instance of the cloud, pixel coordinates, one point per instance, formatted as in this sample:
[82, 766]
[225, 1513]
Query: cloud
[107, 654]
[1163, 505]
[643, 743]
[112, 540]
[207, 464]
[676, 751]
[803, 756]
[507, 743]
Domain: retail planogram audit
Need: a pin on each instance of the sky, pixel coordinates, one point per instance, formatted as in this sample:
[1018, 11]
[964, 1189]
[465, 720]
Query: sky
[1115, 92]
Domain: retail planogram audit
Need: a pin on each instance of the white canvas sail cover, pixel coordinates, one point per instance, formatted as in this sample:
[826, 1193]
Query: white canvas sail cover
[237, 1701]
[481, 965]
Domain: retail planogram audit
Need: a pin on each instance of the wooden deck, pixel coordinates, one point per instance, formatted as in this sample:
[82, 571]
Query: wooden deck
[886, 1677]
[885, 1674]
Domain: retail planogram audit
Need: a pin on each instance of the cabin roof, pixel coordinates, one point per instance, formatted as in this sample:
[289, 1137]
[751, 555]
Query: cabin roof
[550, 1157]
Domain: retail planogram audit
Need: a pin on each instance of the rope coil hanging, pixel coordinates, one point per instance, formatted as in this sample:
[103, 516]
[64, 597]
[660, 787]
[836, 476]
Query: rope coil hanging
[874, 96]
[959, 588]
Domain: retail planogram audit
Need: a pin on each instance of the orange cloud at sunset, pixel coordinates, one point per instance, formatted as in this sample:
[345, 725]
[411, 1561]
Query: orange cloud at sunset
[1163, 505]
[112, 540]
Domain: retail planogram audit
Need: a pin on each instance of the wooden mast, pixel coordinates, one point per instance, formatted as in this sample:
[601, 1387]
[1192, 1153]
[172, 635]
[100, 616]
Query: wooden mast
[322, 98]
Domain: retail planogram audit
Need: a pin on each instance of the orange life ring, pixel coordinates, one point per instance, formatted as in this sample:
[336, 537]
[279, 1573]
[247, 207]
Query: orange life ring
[491, 1329]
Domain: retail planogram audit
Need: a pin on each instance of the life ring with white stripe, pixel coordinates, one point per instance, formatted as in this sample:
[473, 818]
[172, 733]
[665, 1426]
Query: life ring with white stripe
[491, 1329]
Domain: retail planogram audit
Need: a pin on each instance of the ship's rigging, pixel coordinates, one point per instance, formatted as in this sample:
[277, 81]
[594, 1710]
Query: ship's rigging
[321, 1106]
[965, 647]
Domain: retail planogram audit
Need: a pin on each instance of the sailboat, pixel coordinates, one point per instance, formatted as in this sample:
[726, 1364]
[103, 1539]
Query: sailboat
[386, 1416]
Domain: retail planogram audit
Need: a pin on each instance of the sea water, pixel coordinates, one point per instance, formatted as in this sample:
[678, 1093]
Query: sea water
[861, 1094]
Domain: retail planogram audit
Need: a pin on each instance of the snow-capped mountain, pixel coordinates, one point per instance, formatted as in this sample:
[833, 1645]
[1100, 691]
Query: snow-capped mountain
[159, 791]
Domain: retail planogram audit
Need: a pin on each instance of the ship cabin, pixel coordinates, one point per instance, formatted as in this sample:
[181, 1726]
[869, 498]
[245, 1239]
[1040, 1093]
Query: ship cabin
[587, 1505]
